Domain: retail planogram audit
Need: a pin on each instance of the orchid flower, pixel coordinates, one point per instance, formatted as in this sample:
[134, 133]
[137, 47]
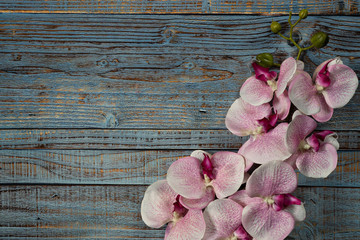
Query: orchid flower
[270, 211]
[198, 179]
[259, 89]
[267, 141]
[161, 205]
[332, 86]
[223, 221]
[314, 155]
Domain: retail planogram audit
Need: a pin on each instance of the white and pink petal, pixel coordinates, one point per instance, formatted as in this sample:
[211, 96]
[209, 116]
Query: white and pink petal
[282, 105]
[256, 92]
[185, 177]
[287, 71]
[157, 204]
[229, 173]
[268, 146]
[190, 227]
[200, 203]
[273, 178]
[264, 223]
[222, 218]
[318, 164]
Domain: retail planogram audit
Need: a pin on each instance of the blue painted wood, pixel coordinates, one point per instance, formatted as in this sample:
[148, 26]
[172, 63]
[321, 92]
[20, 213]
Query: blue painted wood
[128, 167]
[144, 71]
[94, 212]
[265, 7]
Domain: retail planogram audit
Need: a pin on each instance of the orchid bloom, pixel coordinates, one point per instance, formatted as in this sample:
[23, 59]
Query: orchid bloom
[332, 86]
[270, 211]
[314, 155]
[223, 221]
[199, 178]
[259, 89]
[267, 141]
[161, 205]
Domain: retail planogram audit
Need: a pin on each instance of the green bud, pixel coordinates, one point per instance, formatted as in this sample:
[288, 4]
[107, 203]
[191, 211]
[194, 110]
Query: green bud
[303, 13]
[265, 60]
[275, 27]
[319, 39]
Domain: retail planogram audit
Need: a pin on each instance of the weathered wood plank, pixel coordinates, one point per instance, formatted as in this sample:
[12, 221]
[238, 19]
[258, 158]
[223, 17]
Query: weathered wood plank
[128, 167]
[137, 139]
[45, 211]
[265, 7]
[143, 71]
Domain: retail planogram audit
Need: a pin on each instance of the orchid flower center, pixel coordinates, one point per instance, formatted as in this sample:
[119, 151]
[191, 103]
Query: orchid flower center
[272, 84]
[282, 201]
[263, 74]
[313, 142]
[240, 234]
[323, 78]
[207, 169]
[179, 210]
[269, 200]
[268, 123]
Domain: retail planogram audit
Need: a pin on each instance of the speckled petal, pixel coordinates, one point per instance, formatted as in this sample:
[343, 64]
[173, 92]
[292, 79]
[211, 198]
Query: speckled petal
[287, 72]
[256, 92]
[264, 223]
[222, 218]
[229, 173]
[157, 204]
[270, 179]
[185, 177]
[241, 119]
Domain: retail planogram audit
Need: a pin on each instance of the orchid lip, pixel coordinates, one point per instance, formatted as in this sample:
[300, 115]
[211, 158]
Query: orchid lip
[207, 168]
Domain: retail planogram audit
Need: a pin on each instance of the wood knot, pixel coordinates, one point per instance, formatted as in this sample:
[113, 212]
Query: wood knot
[169, 35]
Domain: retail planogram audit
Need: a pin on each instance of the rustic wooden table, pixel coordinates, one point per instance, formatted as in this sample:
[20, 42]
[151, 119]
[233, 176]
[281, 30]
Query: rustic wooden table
[98, 98]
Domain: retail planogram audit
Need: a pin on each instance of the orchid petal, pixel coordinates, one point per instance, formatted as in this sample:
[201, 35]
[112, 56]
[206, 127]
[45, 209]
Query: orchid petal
[222, 218]
[241, 117]
[270, 179]
[256, 92]
[313, 142]
[184, 176]
[199, 154]
[332, 139]
[325, 113]
[298, 129]
[320, 67]
[292, 160]
[299, 65]
[229, 173]
[297, 211]
[296, 113]
[200, 203]
[282, 105]
[191, 226]
[344, 83]
[318, 164]
[267, 147]
[248, 163]
[323, 134]
[264, 223]
[157, 204]
[242, 198]
[287, 71]
[303, 94]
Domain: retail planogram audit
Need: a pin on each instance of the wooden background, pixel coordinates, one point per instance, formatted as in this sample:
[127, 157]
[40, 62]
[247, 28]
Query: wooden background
[99, 97]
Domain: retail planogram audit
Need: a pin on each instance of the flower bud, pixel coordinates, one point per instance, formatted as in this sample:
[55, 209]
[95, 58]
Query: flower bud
[265, 60]
[303, 13]
[319, 39]
[275, 27]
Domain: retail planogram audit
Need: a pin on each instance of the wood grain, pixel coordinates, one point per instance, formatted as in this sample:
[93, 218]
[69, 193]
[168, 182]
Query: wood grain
[128, 167]
[137, 139]
[91, 212]
[264, 7]
[143, 71]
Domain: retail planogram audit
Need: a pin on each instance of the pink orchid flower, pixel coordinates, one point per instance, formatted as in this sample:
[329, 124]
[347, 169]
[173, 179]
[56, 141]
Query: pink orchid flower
[259, 89]
[267, 140]
[270, 211]
[223, 221]
[161, 205]
[314, 155]
[198, 179]
[332, 86]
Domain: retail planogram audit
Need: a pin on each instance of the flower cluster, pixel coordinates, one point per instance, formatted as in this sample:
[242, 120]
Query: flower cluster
[248, 195]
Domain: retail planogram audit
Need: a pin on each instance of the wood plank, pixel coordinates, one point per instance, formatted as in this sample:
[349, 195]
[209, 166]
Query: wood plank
[265, 7]
[91, 212]
[128, 167]
[137, 139]
[144, 71]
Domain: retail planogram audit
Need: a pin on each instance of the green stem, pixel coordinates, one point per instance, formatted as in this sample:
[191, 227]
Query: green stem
[307, 48]
[298, 56]
[276, 64]
[283, 36]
